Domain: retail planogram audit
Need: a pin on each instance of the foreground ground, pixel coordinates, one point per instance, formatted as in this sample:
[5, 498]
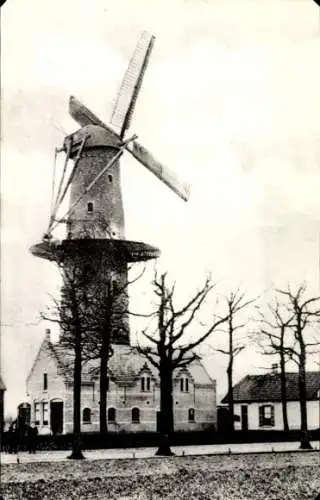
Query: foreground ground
[294, 476]
[110, 453]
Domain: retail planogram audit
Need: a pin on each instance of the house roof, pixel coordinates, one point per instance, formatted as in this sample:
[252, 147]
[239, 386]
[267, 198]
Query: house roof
[2, 386]
[267, 387]
[124, 366]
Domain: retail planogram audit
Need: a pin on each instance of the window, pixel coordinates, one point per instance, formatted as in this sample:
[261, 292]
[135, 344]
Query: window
[86, 416]
[184, 384]
[45, 410]
[111, 415]
[110, 178]
[266, 415]
[90, 207]
[37, 413]
[45, 381]
[108, 384]
[191, 415]
[135, 415]
[145, 384]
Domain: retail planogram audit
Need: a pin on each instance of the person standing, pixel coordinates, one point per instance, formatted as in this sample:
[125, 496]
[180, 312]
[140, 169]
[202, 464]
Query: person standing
[34, 440]
[29, 438]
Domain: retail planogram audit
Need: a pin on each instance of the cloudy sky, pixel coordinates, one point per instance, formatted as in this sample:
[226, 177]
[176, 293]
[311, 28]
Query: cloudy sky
[230, 102]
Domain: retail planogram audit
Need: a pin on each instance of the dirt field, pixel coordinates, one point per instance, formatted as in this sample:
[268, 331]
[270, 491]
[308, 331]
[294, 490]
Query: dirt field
[294, 476]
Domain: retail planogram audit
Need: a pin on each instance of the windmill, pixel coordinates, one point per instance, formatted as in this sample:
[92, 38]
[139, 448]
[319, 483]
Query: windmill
[95, 217]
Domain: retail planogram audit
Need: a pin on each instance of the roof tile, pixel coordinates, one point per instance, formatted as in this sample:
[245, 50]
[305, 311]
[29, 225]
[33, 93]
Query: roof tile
[124, 366]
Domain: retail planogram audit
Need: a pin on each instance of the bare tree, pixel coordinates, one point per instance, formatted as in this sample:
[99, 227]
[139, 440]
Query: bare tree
[170, 350]
[70, 313]
[235, 302]
[305, 316]
[100, 317]
[272, 339]
[106, 311]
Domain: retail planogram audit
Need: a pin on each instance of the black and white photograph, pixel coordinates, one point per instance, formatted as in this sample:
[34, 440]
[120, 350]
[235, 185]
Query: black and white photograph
[160, 250]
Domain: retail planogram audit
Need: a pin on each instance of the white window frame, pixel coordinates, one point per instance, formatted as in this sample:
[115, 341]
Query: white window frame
[45, 413]
[266, 415]
[136, 421]
[184, 384]
[191, 411]
[145, 383]
[37, 413]
[115, 415]
[86, 421]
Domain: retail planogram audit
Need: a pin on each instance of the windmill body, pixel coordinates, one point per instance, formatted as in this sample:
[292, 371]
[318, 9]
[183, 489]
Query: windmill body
[95, 236]
[99, 213]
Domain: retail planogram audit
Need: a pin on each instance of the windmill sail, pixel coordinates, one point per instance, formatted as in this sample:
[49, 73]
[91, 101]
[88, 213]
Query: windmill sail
[131, 84]
[158, 169]
[84, 117]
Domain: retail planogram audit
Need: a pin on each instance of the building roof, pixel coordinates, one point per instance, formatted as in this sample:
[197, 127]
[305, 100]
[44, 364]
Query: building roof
[2, 386]
[125, 365]
[267, 387]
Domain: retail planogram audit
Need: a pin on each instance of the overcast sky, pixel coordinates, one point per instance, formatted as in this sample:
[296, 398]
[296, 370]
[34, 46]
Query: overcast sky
[230, 102]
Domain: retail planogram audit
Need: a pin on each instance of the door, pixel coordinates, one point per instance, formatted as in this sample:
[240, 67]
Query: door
[24, 414]
[223, 420]
[244, 417]
[56, 417]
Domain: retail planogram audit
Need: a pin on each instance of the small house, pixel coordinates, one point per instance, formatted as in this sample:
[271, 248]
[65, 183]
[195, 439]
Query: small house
[257, 402]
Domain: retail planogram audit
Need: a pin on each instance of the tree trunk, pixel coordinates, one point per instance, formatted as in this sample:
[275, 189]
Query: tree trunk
[166, 411]
[230, 377]
[103, 393]
[305, 442]
[76, 445]
[104, 359]
[230, 396]
[283, 387]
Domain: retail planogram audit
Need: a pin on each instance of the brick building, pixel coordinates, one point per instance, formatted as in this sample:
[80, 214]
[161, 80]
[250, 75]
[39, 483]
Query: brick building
[133, 393]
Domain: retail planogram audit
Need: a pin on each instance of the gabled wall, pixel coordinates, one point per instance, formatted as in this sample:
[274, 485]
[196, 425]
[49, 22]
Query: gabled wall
[45, 363]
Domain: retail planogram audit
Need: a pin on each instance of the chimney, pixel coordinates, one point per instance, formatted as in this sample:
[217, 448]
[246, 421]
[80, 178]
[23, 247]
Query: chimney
[48, 334]
[274, 368]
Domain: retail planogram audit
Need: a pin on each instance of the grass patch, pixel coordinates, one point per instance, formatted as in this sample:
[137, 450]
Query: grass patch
[293, 476]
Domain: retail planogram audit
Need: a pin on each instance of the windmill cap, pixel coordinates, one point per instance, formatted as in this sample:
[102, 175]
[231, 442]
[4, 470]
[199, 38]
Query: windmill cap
[96, 137]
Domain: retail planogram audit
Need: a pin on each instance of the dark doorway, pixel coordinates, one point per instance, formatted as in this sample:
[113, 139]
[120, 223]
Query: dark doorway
[244, 418]
[56, 417]
[224, 421]
[24, 415]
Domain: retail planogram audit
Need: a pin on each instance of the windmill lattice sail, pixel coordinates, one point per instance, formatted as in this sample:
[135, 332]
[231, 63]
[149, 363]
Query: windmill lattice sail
[163, 173]
[131, 83]
[85, 116]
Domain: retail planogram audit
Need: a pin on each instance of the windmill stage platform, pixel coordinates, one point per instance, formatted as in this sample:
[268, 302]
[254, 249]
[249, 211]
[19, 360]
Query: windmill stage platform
[125, 250]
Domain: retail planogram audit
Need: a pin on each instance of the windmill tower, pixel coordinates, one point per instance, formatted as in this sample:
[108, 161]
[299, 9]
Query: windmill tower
[95, 217]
